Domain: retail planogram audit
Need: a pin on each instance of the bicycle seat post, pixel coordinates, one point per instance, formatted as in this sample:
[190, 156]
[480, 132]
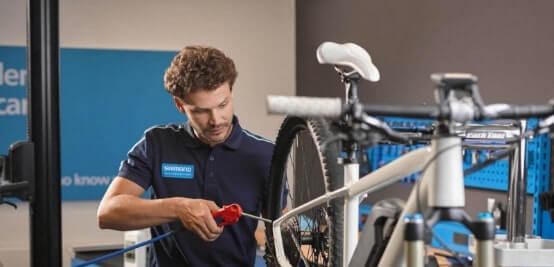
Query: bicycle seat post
[350, 81]
[351, 170]
[351, 84]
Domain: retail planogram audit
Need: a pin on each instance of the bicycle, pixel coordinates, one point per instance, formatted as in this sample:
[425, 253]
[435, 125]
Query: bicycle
[320, 228]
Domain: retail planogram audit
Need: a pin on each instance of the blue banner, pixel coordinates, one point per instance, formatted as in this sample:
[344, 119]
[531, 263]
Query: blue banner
[107, 99]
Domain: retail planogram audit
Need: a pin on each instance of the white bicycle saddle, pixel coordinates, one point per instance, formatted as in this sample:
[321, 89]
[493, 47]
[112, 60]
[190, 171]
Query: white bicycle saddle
[351, 55]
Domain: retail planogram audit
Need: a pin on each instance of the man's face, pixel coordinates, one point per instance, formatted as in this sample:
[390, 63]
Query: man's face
[210, 113]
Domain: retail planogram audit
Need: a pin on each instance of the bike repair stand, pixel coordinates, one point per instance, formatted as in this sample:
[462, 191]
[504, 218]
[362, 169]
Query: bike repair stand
[517, 192]
[516, 248]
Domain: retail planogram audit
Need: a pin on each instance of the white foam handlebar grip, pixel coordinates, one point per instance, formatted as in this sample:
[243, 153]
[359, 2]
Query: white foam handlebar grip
[303, 106]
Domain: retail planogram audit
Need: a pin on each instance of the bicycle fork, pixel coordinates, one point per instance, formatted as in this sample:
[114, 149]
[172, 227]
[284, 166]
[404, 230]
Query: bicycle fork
[482, 228]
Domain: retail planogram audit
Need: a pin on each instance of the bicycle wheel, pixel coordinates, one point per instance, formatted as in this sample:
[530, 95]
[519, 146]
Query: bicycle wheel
[299, 172]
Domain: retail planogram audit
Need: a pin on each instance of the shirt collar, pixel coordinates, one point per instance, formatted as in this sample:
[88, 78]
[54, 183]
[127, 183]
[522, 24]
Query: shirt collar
[232, 141]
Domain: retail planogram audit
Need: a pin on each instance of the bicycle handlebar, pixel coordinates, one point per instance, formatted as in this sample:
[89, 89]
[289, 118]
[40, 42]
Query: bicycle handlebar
[412, 111]
[304, 106]
[457, 111]
[525, 111]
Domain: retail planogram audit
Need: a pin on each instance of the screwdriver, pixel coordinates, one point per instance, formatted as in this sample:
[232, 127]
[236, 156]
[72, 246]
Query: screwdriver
[230, 214]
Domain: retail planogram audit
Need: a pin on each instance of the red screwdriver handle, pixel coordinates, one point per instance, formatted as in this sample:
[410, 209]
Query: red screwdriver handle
[229, 214]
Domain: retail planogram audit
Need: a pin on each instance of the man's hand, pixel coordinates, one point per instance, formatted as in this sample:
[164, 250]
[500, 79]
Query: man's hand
[196, 216]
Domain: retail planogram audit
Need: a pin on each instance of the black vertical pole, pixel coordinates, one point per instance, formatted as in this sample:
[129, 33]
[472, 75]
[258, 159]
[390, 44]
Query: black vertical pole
[43, 130]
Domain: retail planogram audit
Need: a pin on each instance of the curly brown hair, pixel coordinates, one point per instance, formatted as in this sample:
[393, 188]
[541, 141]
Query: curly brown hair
[198, 68]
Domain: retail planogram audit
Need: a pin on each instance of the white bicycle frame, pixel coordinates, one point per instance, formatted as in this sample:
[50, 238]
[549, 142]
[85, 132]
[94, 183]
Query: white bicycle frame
[443, 178]
[441, 186]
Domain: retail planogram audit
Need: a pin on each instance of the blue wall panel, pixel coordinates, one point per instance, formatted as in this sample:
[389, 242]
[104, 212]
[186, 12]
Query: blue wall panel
[493, 177]
[107, 99]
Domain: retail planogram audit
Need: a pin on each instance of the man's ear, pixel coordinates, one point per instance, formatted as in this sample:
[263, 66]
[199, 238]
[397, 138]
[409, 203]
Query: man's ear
[178, 104]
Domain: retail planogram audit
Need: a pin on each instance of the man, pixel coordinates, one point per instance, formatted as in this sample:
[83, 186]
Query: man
[193, 169]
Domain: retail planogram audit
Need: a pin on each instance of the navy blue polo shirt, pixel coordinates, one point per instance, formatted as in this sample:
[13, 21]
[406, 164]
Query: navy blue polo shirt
[172, 161]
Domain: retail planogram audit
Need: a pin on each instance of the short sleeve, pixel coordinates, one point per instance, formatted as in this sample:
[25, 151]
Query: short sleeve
[138, 167]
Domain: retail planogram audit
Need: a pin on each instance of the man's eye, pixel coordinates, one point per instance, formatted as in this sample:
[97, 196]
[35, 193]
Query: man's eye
[222, 105]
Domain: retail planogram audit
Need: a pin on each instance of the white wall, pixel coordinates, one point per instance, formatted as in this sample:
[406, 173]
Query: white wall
[257, 34]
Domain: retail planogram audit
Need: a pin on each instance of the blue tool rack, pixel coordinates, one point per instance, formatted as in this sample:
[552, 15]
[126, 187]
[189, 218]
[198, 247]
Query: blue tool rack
[494, 177]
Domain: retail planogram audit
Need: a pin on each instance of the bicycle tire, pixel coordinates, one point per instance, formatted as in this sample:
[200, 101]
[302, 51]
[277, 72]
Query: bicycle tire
[326, 239]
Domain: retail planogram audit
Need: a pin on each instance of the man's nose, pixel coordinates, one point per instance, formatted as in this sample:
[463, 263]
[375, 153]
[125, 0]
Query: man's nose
[214, 117]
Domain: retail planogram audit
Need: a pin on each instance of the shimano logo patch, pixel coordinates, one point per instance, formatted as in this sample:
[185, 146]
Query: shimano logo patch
[182, 171]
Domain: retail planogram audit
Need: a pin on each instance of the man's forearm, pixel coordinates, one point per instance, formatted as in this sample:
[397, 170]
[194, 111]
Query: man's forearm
[128, 212]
